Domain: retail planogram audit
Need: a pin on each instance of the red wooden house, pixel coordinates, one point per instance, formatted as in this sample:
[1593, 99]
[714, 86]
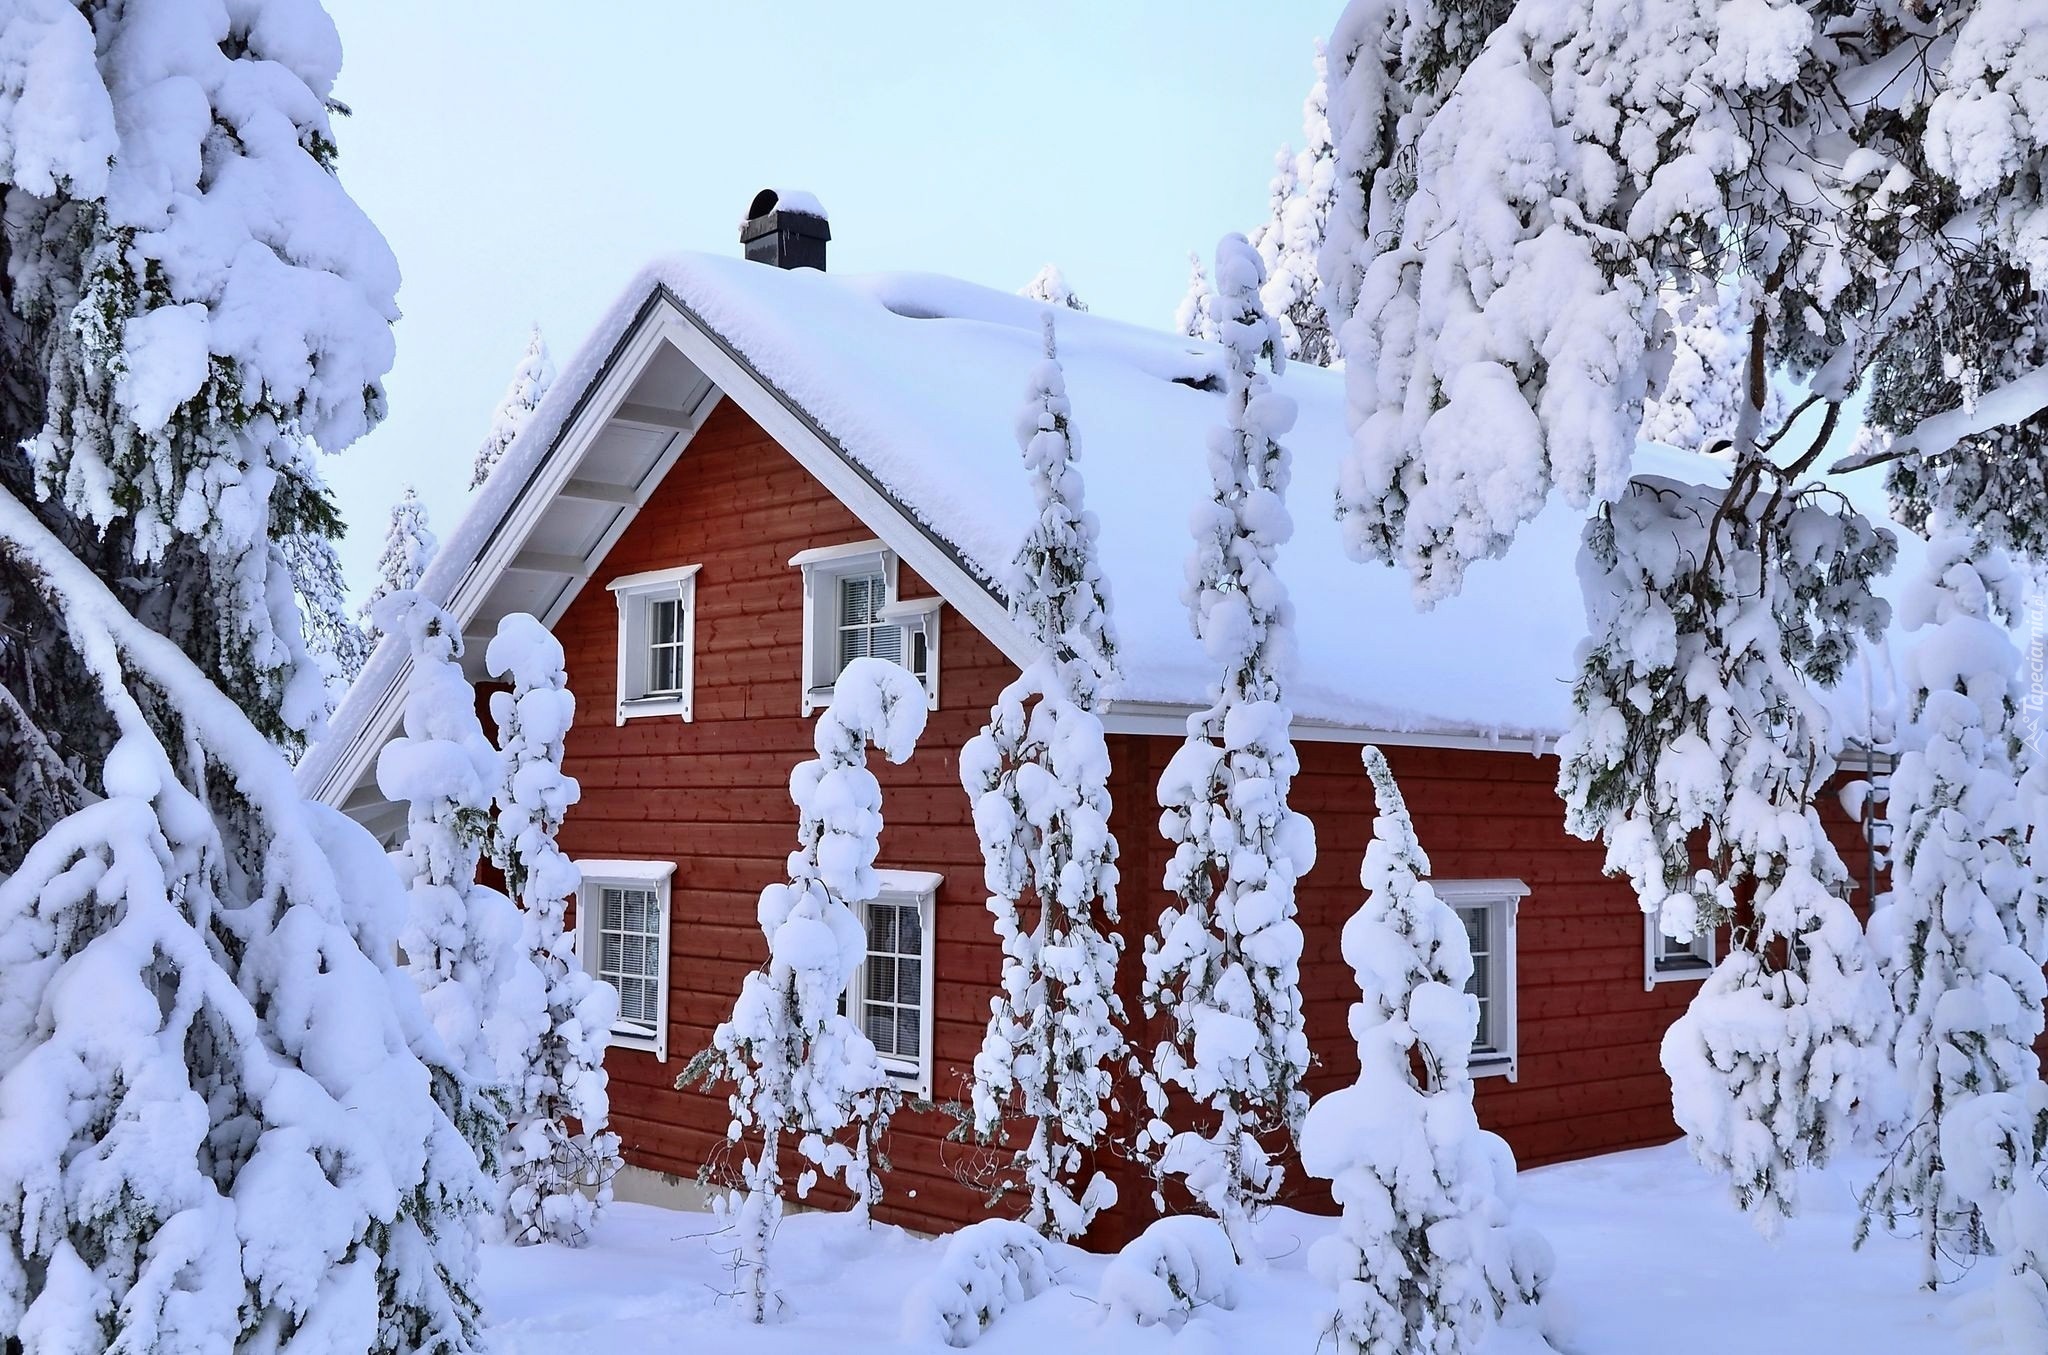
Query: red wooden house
[751, 473]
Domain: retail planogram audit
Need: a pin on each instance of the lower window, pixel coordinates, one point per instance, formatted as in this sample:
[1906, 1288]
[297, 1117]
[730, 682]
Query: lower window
[622, 928]
[890, 997]
[1488, 908]
[1669, 961]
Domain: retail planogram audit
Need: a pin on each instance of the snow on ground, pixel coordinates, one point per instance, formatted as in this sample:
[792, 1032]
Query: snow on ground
[1650, 1256]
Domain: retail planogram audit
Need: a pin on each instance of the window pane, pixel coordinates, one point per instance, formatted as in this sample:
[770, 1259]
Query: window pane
[661, 621]
[663, 665]
[608, 963]
[880, 1024]
[909, 1025]
[886, 642]
[882, 928]
[881, 979]
[636, 911]
[909, 977]
[853, 644]
[612, 903]
[911, 938]
[859, 596]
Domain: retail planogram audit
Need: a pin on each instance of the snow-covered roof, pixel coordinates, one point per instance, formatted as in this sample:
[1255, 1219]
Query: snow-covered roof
[913, 381]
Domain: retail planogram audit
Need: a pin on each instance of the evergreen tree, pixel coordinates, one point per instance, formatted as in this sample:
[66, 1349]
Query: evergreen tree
[330, 630]
[1697, 753]
[1224, 969]
[1291, 239]
[1422, 1261]
[225, 1124]
[558, 1176]
[1195, 316]
[1699, 404]
[1963, 933]
[461, 937]
[1038, 776]
[796, 1062]
[1050, 286]
[1509, 213]
[530, 382]
[408, 549]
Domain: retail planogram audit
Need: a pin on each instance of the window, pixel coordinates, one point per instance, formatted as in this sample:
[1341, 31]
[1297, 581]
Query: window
[1669, 961]
[657, 642]
[622, 916]
[891, 993]
[851, 611]
[1487, 908]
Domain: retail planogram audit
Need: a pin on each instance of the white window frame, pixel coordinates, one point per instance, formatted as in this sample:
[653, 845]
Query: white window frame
[1691, 965]
[823, 567]
[653, 876]
[634, 593]
[1502, 900]
[911, 1076]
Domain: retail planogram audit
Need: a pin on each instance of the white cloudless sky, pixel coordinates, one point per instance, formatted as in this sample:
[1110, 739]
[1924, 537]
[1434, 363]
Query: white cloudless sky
[525, 158]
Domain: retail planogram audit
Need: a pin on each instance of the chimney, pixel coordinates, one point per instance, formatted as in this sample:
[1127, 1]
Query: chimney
[786, 228]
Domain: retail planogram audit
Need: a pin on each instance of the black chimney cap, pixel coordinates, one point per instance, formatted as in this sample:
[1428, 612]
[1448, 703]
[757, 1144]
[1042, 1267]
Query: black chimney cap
[786, 228]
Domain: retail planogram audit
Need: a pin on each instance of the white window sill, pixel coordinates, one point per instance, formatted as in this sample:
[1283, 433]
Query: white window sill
[641, 708]
[1494, 1065]
[1687, 974]
[635, 1039]
[909, 1079]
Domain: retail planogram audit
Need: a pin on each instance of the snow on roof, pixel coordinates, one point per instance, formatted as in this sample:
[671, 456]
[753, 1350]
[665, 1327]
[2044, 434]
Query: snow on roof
[918, 377]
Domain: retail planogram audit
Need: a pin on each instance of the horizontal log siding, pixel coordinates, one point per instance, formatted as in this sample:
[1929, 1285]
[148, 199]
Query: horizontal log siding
[712, 796]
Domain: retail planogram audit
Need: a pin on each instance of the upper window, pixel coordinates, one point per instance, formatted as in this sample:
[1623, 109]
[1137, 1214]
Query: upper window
[851, 611]
[1487, 908]
[657, 642]
[891, 993]
[1669, 961]
[622, 936]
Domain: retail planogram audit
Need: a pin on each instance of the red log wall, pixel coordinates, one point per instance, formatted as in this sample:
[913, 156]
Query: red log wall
[712, 796]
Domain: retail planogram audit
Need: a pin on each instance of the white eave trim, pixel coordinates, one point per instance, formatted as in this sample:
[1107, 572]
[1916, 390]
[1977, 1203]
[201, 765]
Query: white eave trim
[1170, 719]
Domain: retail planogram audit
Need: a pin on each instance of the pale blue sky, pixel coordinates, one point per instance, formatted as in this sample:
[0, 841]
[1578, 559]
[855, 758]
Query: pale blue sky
[525, 158]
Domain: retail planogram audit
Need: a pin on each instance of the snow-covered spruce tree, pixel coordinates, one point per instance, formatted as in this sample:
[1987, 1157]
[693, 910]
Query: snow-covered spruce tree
[1697, 752]
[1963, 933]
[559, 1158]
[1038, 777]
[1702, 397]
[1291, 240]
[1995, 1147]
[330, 630]
[1050, 286]
[1586, 155]
[1423, 1261]
[408, 549]
[530, 382]
[1196, 316]
[461, 937]
[1505, 253]
[797, 1064]
[1224, 969]
[225, 1122]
